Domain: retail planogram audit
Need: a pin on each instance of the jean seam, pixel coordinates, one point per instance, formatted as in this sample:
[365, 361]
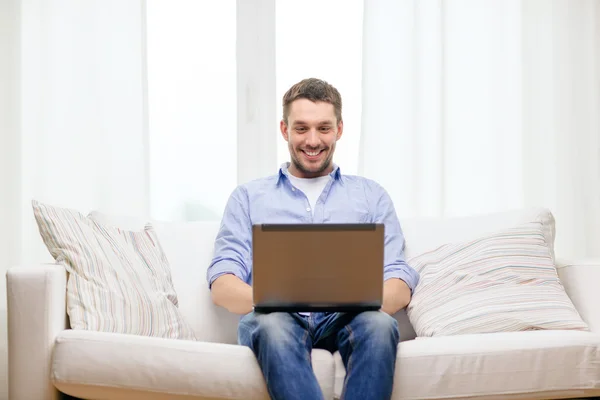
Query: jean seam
[349, 366]
[305, 340]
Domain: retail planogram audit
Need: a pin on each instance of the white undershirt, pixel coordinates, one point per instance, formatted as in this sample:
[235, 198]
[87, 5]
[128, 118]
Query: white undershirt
[311, 187]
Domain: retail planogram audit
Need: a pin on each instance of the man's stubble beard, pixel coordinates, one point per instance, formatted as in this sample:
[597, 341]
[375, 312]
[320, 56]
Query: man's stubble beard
[300, 167]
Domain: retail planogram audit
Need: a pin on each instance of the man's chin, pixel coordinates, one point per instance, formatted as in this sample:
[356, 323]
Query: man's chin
[312, 169]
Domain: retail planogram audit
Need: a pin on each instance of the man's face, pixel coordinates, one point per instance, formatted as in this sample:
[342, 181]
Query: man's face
[311, 132]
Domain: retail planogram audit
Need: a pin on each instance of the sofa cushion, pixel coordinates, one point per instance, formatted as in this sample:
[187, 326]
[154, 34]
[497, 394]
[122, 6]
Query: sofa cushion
[423, 234]
[119, 281]
[189, 249]
[509, 365]
[115, 366]
[500, 282]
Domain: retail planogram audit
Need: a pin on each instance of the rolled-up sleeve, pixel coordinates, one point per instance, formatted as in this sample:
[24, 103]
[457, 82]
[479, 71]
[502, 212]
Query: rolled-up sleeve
[233, 244]
[395, 265]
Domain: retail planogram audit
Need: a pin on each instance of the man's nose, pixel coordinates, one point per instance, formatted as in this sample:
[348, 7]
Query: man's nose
[312, 138]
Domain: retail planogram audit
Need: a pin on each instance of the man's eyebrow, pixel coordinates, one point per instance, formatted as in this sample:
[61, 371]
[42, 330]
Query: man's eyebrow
[324, 122]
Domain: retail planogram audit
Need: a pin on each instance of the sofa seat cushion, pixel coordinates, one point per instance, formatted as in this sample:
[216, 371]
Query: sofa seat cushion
[102, 365]
[524, 365]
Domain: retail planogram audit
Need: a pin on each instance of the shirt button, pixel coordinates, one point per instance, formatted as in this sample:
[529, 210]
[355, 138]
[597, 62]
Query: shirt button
[293, 189]
[308, 209]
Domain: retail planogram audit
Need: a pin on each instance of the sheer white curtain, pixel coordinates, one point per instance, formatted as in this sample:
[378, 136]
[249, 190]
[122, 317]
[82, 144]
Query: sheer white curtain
[82, 111]
[472, 107]
[561, 117]
[72, 118]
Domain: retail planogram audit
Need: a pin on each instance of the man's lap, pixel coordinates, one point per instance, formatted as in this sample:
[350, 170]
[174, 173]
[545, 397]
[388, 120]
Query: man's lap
[322, 329]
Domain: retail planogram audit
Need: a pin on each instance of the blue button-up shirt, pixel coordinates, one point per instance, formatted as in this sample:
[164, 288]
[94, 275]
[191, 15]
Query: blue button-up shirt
[345, 199]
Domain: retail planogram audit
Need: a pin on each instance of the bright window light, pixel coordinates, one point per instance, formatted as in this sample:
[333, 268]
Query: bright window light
[191, 62]
[323, 39]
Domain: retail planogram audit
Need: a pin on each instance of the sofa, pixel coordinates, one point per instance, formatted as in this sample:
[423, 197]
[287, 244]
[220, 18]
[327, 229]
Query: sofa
[47, 359]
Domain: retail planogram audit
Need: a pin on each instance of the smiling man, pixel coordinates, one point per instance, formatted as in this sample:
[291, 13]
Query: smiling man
[311, 189]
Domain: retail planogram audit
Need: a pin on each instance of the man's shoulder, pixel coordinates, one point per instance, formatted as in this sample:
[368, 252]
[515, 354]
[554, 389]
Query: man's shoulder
[270, 180]
[368, 183]
[258, 185]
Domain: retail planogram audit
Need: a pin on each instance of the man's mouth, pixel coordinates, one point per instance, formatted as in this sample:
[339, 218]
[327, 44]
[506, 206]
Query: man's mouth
[312, 153]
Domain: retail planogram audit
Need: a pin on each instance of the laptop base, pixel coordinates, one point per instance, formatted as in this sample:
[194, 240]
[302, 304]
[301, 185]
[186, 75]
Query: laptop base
[292, 308]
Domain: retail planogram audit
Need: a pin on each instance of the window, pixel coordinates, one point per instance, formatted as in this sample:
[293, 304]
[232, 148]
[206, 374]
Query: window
[322, 39]
[192, 92]
[192, 107]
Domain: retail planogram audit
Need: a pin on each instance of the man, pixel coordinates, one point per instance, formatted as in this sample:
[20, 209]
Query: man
[311, 189]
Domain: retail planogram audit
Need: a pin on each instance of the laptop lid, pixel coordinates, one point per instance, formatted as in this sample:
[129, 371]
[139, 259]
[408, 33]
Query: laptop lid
[318, 267]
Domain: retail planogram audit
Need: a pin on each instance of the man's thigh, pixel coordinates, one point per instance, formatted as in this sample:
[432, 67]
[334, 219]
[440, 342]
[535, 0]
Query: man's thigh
[329, 326]
[277, 327]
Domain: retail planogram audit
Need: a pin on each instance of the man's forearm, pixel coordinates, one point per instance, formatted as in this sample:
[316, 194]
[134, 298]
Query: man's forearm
[232, 293]
[396, 295]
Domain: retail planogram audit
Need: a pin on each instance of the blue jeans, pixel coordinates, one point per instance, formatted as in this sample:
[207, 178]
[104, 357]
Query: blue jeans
[282, 344]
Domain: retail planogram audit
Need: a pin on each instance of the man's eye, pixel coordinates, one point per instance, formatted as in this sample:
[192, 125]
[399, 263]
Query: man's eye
[300, 129]
[325, 128]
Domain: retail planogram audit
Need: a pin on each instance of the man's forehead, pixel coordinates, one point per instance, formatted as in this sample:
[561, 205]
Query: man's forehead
[310, 112]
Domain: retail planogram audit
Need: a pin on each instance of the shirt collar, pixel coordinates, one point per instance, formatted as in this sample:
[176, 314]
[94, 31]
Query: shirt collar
[283, 171]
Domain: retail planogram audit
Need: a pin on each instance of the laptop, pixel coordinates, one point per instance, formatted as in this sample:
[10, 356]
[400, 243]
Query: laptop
[317, 267]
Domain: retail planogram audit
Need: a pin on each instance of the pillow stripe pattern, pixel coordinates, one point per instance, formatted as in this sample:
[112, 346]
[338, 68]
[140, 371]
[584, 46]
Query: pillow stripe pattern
[501, 282]
[118, 281]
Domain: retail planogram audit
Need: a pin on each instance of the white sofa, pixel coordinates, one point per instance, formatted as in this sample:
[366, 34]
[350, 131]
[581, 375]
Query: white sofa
[46, 358]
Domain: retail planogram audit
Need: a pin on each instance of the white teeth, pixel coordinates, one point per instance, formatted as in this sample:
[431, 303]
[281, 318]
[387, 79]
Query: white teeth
[312, 153]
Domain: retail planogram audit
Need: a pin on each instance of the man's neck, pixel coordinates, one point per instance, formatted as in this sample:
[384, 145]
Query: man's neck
[308, 175]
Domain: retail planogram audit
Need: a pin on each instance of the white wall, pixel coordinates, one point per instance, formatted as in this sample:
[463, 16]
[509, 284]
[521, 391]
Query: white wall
[9, 160]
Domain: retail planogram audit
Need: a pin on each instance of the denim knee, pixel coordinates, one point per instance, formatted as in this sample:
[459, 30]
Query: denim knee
[278, 329]
[375, 326]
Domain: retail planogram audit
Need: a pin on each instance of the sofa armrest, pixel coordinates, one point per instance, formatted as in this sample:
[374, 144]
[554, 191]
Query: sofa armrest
[36, 311]
[581, 280]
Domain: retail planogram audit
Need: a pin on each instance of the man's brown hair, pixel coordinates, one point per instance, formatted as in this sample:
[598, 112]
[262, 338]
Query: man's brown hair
[314, 90]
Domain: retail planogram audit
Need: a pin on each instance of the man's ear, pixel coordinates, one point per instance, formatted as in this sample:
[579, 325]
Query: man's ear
[340, 130]
[284, 130]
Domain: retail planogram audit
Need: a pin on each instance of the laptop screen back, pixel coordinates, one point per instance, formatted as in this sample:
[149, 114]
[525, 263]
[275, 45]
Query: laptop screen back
[324, 267]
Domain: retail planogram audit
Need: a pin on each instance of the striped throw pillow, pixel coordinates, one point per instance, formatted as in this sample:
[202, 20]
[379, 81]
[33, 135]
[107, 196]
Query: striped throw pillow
[501, 282]
[118, 281]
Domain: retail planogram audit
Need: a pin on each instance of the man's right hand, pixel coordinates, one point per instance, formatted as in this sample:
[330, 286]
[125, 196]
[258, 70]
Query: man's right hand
[233, 294]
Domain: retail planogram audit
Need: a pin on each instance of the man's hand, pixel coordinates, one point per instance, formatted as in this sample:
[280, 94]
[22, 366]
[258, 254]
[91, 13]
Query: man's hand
[232, 293]
[396, 295]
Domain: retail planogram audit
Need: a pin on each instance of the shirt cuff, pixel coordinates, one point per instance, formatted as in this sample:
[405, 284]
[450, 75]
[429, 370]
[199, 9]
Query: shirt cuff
[222, 268]
[411, 277]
